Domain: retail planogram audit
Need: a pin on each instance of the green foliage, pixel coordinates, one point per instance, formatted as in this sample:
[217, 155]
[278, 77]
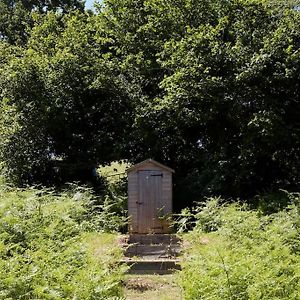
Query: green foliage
[17, 16]
[218, 89]
[237, 253]
[112, 211]
[77, 93]
[183, 221]
[50, 248]
[210, 88]
[228, 81]
[272, 202]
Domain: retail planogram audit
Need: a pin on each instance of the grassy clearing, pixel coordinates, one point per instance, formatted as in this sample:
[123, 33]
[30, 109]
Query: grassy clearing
[152, 287]
[51, 248]
[241, 254]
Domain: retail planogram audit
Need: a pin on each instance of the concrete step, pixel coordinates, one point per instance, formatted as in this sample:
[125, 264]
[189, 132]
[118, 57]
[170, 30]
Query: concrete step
[154, 266]
[149, 239]
[159, 250]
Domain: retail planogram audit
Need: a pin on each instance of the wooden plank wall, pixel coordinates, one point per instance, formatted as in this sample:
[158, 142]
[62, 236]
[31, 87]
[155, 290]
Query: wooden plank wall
[133, 194]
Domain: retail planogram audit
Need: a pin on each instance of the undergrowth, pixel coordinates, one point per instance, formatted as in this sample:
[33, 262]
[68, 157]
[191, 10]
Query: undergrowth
[239, 253]
[51, 247]
[112, 209]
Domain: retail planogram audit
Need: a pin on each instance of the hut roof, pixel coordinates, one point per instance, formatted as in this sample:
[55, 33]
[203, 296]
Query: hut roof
[152, 161]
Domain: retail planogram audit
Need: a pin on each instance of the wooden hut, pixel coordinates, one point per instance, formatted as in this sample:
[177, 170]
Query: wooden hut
[149, 197]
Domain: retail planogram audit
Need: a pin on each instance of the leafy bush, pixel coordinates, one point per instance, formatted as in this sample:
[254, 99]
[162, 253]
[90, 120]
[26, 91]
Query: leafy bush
[50, 249]
[112, 210]
[238, 253]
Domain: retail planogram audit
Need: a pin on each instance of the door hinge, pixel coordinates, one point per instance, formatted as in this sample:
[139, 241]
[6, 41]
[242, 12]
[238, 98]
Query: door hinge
[161, 175]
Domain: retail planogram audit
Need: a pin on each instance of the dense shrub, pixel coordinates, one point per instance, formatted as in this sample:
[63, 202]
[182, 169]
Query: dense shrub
[238, 253]
[112, 210]
[50, 248]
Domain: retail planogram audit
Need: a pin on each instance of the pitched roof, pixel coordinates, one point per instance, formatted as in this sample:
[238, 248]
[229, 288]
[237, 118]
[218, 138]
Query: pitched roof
[152, 161]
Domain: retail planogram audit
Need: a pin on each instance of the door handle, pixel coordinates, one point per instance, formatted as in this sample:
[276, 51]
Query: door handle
[137, 202]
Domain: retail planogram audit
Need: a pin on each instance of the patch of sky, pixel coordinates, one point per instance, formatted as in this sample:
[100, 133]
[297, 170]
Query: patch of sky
[297, 7]
[90, 3]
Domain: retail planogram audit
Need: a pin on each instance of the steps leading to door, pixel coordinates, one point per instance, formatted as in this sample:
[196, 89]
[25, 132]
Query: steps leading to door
[148, 239]
[152, 266]
[151, 253]
[156, 250]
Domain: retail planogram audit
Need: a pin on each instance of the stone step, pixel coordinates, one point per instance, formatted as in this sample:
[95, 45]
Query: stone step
[151, 253]
[159, 250]
[149, 239]
[154, 266]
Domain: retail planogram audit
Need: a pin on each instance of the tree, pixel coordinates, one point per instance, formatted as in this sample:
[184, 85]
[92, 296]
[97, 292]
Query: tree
[208, 87]
[210, 104]
[73, 103]
[17, 16]
[235, 86]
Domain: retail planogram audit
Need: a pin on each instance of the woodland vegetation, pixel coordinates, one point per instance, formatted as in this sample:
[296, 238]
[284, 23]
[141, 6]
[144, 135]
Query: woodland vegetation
[211, 88]
[238, 253]
[52, 246]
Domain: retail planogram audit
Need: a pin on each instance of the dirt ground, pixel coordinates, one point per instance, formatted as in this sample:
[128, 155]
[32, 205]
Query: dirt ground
[152, 287]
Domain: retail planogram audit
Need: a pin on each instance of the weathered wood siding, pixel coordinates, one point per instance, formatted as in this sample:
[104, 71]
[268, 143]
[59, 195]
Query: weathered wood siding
[149, 198]
[133, 197]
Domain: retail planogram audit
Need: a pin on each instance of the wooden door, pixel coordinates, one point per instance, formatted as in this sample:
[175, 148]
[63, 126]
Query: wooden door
[150, 206]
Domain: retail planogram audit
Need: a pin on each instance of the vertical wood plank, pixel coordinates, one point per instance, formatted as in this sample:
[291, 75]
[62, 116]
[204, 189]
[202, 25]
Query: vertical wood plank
[149, 198]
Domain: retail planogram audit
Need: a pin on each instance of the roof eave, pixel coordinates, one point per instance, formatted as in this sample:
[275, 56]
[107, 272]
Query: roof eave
[150, 160]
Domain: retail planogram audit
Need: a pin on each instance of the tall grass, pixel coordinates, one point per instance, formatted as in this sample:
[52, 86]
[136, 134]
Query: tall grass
[236, 253]
[51, 247]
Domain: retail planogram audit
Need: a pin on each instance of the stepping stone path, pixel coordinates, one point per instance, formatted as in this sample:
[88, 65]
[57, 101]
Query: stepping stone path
[151, 253]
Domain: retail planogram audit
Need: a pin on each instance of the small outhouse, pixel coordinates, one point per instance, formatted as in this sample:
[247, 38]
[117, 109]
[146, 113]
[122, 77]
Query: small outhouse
[149, 197]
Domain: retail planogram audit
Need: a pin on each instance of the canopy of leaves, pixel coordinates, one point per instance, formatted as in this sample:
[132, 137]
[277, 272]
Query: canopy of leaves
[210, 88]
[74, 104]
[220, 92]
[17, 16]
